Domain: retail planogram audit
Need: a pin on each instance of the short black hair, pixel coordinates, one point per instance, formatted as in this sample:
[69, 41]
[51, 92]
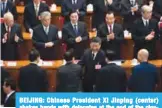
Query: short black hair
[68, 56]
[9, 81]
[72, 11]
[96, 40]
[110, 54]
[110, 12]
[33, 55]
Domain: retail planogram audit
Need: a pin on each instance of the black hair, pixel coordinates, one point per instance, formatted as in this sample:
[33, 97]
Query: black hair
[33, 55]
[96, 40]
[10, 82]
[68, 56]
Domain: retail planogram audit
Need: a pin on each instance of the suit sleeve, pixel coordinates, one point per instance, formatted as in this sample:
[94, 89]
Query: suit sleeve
[66, 37]
[82, 11]
[20, 81]
[131, 79]
[155, 10]
[85, 34]
[64, 10]
[26, 22]
[82, 62]
[120, 36]
[135, 35]
[101, 34]
[19, 34]
[55, 40]
[35, 41]
[14, 12]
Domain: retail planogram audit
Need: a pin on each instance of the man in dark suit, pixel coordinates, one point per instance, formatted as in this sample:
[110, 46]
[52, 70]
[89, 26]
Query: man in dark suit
[8, 6]
[111, 34]
[144, 76]
[101, 7]
[75, 35]
[73, 5]
[157, 9]
[93, 59]
[11, 36]
[32, 78]
[4, 75]
[69, 75]
[111, 78]
[26, 2]
[45, 37]
[145, 32]
[130, 10]
[31, 14]
[9, 88]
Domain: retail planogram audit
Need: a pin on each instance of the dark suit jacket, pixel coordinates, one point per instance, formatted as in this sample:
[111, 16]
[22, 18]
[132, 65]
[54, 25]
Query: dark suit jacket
[32, 79]
[26, 2]
[144, 78]
[127, 14]
[69, 37]
[157, 9]
[30, 18]
[10, 101]
[87, 61]
[40, 38]
[4, 75]
[100, 10]
[113, 45]
[140, 32]
[58, 2]
[68, 78]
[9, 49]
[11, 8]
[111, 78]
[67, 7]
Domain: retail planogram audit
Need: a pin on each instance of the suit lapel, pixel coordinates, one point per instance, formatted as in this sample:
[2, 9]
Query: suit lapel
[49, 33]
[32, 9]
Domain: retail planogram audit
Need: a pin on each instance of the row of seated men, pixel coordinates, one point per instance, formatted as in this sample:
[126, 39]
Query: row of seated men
[145, 34]
[99, 75]
[130, 10]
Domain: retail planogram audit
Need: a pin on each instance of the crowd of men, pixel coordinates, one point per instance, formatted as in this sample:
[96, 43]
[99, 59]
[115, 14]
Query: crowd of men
[94, 72]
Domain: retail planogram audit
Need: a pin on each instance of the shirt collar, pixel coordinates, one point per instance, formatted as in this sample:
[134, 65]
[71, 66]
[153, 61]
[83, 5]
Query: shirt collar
[45, 27]
[74, 24]
[144, 20]
[37, 5]
[8, 95]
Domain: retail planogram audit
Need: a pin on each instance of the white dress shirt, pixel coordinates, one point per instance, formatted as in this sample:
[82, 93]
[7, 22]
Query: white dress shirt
[112, 26]
[6, 27]
[8, 95]
[95, 54]
[74, 1]
[144, 21]
[36, 7]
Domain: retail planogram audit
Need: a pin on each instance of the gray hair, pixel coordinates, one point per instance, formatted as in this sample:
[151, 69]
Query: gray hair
[45, 14]
[8, 15]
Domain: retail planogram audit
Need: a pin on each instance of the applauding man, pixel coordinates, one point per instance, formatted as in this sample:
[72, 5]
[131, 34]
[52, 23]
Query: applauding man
[10, 37]
[145, 32]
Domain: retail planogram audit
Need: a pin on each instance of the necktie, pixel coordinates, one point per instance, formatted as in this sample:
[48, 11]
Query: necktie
[110, 28]
[46, 30]
[75, 29]
[93, 56]
[147, 24]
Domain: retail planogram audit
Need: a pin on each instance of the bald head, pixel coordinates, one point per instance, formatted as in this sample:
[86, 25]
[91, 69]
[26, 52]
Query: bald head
[143, 55]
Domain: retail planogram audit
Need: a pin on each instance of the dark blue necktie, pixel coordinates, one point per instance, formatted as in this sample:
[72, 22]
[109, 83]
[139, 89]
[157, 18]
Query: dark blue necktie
[76, 29]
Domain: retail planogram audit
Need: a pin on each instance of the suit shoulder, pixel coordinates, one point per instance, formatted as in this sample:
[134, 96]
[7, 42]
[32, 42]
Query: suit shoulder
[54, 26]
[44, 4]
[101, 52]
[102, 25]
[37, 27]
[87, 51]
[17, 25]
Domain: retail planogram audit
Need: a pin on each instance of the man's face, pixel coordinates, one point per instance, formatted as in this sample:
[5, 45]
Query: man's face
[74, 17]
[147, 15]
[110, 19]
[9, 22]
[46, 21]
[5, 88]
[95, 47]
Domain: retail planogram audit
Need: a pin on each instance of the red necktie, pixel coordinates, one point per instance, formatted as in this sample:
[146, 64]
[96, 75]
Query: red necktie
[110, 28]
